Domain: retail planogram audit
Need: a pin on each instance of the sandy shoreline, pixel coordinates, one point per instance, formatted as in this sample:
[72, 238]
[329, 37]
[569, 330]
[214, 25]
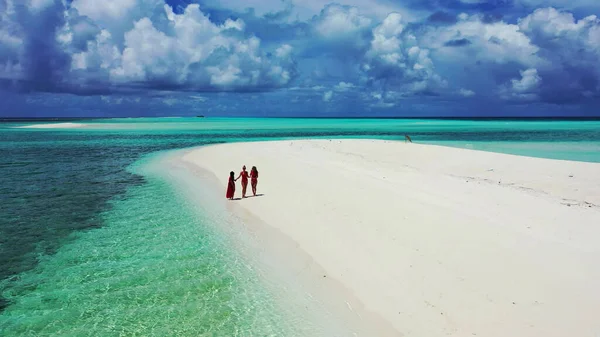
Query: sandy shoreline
[314, 304]
[436, 241]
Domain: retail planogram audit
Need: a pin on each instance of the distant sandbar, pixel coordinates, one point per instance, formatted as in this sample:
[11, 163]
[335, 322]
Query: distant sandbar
[53, 126]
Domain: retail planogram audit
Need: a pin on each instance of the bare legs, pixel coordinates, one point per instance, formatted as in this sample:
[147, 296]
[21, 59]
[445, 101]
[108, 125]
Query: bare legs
[244, 186]
[254, 183]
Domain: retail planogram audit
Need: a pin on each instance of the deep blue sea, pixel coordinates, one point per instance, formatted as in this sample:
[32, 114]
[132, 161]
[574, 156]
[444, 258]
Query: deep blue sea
[92, 243]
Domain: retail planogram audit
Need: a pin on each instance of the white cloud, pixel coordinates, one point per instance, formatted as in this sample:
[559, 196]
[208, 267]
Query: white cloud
[284, 51]
[525, 88]
[550, 22]
[466, 92]
[118, 16]
[341, 28]
[496, 42]
[572, 50]
[552, 43]
[199, 98]
[553, 28]
[529, 81]
[396, 59]
[144, 43]
[139, 44]
[336, 20]
[100, 11]
[344, 86]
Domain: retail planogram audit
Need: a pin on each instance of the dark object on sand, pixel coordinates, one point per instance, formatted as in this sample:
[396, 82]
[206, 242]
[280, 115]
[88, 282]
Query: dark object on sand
[407, 138]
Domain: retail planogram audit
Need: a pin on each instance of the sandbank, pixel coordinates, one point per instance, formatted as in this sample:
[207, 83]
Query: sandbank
[53, 126]
[435, 241]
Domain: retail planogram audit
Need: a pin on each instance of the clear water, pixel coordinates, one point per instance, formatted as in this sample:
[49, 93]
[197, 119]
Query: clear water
[151, 271]
[93, 243]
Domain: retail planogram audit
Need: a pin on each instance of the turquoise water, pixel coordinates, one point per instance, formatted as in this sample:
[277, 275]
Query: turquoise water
[93, 242]
[155, 269]
[556, 139]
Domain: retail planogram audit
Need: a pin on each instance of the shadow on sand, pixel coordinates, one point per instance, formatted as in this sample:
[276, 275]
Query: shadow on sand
[250, 196]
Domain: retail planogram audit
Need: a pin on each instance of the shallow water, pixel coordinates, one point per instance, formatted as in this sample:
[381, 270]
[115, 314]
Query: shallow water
[155, 269]
[89, 247]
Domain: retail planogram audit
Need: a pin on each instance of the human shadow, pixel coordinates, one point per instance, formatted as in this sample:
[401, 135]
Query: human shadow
[248, 196]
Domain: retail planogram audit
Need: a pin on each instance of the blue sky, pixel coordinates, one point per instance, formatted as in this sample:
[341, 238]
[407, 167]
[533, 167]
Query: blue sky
[299, 57]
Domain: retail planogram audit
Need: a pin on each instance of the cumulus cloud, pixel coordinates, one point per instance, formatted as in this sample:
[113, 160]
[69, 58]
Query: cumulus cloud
[101, 47]
[490, 42]
[344, 86]
[135, 44]
[530, 80]
[466, 92]
[396, 60]
[341, 29]
[336, 20]
[119, 16]
[572, 50]
[524, 88]
[547, 44]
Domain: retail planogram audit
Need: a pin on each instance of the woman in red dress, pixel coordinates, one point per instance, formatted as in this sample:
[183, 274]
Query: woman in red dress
[253, 179]
[231, 186]
[244, 176]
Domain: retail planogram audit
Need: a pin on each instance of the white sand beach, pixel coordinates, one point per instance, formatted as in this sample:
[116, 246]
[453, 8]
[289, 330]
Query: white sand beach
[67, 125]
[435, 241]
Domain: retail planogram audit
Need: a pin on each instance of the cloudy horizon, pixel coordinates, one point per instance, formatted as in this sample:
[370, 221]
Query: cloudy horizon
[299, 58]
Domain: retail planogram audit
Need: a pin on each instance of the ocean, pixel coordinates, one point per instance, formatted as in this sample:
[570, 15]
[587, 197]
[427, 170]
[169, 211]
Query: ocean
[94, 241]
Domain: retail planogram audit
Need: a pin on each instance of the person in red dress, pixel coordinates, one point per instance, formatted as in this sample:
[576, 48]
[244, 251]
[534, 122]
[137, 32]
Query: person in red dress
[244, 176]
[231, 186]
[253, 179]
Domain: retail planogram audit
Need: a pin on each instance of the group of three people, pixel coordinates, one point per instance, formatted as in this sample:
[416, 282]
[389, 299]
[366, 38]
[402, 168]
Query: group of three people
[253, 175]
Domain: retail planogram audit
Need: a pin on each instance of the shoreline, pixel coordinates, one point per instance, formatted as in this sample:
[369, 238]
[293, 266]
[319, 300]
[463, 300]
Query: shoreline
[294, 278]
[433, 240]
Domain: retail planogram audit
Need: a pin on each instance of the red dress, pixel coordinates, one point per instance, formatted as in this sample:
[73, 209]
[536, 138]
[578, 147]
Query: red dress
[230, 188]
[244, 175]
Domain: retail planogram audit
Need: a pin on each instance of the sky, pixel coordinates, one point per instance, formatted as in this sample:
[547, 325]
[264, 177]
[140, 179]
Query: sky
[477, 58]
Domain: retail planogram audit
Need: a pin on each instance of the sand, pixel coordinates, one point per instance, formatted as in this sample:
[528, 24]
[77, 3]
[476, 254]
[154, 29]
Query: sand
[53, 126]
[435, 241]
